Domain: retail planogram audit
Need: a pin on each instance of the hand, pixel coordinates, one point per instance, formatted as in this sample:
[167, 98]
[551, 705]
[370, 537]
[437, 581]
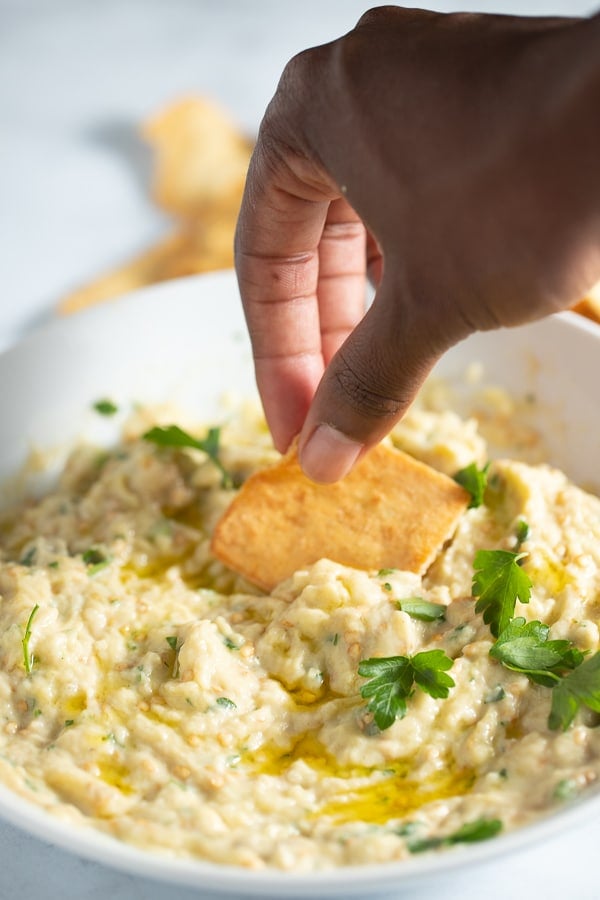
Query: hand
[456, 156]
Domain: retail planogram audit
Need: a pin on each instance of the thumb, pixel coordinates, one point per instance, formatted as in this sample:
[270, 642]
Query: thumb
[369, 384]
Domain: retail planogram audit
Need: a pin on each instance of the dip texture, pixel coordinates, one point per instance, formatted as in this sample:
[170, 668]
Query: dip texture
[148, 692]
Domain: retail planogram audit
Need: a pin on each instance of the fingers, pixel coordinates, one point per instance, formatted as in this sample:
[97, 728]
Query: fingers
[277, 263]
[342, 276]
[300, 262]
[367, 387]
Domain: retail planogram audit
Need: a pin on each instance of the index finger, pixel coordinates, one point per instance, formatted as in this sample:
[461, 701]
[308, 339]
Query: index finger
[281, 221]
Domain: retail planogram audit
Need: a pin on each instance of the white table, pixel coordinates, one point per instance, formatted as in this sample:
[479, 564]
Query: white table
[76, 76]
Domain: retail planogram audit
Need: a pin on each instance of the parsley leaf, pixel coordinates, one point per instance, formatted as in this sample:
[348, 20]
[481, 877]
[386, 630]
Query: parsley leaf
[474, 481]
[226, 703]
[106, 407]
[174, 436]
[479, 830]
[417, 608]
[95, 560]
[524, 647]
[499, 581]
[392, 679]
[430, 669]
[579, 688]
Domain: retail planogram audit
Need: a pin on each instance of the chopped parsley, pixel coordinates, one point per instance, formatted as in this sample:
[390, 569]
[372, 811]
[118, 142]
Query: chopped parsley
[95, 560]
[27, 656]
[226, 703]
[474, 480]
[106, 407]
[175, 647]
[392, 680]
[174, 436]
[417, 608]
[29, 558]
[499, 581]
[471, 832]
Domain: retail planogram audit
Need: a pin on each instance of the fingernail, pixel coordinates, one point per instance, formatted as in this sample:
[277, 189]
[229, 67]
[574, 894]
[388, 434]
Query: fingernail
[328, 454]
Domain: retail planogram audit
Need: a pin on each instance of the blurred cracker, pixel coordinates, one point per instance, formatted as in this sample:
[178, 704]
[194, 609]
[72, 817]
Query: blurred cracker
[391, 511]
[200, 169]
[201, 158]
[187, 252]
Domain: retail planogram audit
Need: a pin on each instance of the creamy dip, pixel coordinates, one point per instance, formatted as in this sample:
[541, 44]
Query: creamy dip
[148, 692]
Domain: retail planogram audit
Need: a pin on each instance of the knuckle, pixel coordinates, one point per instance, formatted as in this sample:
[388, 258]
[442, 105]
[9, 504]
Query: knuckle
[378, 15]
[370, 394]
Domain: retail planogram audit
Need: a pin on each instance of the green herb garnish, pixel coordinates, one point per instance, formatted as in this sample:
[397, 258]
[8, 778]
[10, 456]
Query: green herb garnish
[479, 830]
[95, 560]
[29, 558]
[524, 647]
[522, 532]
[579, 688]
[174, 436]
[417, 608]
[175, 647]
[392, 680]
[106, 407]
[27, 656]
[495, 695]
[226, 703]
[474, 481]
[499, 581]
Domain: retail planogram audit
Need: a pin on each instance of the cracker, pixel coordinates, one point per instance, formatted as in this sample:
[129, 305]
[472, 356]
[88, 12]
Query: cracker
[201, 158]
[391, 511]
[200, 163]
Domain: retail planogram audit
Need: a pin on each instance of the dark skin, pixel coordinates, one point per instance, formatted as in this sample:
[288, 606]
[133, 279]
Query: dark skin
[453, 158]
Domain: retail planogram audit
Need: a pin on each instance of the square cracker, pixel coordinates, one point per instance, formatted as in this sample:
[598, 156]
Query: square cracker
[391, 511]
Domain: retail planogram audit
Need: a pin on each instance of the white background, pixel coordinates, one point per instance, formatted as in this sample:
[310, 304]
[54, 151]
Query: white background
[76, 78]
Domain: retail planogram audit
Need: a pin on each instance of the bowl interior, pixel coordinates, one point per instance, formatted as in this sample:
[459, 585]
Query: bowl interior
[186, 342]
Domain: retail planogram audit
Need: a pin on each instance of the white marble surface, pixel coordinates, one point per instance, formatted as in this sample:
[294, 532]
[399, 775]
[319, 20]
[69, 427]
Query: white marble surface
[75, 78]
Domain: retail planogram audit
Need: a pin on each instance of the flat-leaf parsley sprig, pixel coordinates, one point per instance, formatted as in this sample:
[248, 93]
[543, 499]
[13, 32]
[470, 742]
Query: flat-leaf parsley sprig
[525, 647]
[392, 680]
[174, 436]
[580, 687]
[499, 581]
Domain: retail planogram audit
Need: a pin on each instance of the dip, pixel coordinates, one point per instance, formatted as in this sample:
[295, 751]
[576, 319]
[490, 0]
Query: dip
[147, 692]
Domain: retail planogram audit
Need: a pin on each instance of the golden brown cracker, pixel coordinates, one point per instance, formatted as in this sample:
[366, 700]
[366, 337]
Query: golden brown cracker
[200, 167]
[391, 511]
[201, 158]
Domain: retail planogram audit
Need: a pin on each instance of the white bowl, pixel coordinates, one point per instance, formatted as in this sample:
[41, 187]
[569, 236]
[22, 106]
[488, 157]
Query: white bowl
[186, 341]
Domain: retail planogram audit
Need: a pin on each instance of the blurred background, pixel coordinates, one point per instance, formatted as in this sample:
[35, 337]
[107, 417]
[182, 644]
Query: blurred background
[78, 81]
[86, 87]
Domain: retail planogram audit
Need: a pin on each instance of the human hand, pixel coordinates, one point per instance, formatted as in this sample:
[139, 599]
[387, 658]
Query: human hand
[457, 155]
